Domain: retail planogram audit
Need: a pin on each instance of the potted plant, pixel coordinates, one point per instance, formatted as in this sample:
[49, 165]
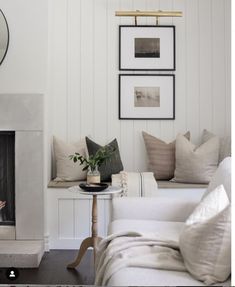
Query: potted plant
[93, 163]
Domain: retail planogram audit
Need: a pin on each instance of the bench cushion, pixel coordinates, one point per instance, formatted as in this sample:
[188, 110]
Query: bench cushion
[161, 184]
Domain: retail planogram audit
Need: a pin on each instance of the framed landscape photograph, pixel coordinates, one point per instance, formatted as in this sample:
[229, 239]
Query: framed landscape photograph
[146, 96]
[147, 48]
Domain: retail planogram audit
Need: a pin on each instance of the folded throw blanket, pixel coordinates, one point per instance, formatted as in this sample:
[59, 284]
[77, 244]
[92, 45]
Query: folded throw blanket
[132, 249]
[136, 184]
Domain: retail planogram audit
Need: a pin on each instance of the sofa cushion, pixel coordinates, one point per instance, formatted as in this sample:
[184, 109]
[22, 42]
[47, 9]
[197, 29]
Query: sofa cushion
[154, 277]
[196, 164]
[110, 166]
[209, 206]
[205, 242]
[159, 208]
[165, 228]
[161, 156]
[66, 169]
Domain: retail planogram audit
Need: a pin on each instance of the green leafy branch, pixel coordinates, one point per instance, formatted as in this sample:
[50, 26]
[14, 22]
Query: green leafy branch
[100, 156]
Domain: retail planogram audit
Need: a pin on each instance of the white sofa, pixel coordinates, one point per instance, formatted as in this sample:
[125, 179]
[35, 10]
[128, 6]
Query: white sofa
[166, 215]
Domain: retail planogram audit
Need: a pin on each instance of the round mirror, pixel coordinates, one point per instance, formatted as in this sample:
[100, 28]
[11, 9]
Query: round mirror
[4, 36]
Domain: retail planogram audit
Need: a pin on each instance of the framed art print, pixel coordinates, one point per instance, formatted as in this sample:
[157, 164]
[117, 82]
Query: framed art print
[146, 96]
[147, 48]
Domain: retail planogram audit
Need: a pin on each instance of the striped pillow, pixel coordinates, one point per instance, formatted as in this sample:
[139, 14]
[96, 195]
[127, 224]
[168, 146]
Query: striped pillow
[161, 156]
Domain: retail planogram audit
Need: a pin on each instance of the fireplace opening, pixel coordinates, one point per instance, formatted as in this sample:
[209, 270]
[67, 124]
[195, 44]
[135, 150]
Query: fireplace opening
[7, 178]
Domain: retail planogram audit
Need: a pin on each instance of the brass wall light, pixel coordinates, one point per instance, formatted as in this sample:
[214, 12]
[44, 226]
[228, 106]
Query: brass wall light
[156, 14]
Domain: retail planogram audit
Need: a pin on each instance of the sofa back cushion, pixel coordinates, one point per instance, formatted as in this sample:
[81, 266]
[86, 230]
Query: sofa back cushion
[196, 164]
[205, 242]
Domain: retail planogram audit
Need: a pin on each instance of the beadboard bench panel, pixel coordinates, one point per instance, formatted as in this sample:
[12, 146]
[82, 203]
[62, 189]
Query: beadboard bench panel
[69, 217]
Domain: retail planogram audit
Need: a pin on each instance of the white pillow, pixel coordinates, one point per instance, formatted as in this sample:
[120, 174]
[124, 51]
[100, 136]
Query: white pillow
[66, 169]
[205, 241]
[221, 176]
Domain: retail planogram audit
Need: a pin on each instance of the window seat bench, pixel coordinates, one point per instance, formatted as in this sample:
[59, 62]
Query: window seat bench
[161, 184]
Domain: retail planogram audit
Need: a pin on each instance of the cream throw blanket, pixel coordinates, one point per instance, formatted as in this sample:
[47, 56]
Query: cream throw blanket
[132, 249]
[136, 184]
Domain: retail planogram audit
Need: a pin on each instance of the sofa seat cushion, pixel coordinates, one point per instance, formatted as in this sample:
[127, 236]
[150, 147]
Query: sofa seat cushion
[154, 277]
[165, 228]
[131, 276]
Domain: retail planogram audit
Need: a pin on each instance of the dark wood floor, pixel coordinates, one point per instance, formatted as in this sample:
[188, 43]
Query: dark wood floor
[52, 270]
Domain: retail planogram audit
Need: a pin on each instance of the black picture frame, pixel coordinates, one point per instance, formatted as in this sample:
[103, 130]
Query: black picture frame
[129, 52]
[122, 97]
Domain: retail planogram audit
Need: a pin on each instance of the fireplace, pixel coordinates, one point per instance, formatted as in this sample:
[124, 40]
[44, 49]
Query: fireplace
[7, 178]
[21, 180]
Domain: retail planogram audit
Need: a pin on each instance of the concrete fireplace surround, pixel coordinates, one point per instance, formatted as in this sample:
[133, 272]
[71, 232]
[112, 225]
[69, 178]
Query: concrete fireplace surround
[22, 245]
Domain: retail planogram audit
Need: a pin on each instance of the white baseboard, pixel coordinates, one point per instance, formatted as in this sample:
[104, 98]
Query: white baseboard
[46, 243]
[65, 243]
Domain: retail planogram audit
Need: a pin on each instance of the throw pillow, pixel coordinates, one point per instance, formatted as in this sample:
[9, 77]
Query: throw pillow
[221, 176]
[225, 144]
[209, 206]
[196, 164]
[205, 241]
[110, 166]
[161, 156]
[66, 169]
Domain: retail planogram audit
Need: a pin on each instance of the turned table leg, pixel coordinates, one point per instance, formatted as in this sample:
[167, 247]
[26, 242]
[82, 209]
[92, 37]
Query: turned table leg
[86, 243]
[94, 228]
[90, 241]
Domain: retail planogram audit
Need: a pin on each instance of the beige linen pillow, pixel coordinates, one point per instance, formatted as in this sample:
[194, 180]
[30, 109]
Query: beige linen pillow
[225, 144]
[66, 169]
[161, 156]
[205, 241]
[196, 164]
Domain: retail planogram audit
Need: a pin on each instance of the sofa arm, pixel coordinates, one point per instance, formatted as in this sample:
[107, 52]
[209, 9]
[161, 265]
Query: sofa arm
[156, 208]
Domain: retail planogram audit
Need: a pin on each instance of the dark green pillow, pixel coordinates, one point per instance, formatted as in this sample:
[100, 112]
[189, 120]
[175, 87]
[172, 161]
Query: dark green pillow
[110, 166]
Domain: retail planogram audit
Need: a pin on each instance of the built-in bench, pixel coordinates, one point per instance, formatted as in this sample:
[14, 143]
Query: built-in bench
[161, 184]
[69, 213]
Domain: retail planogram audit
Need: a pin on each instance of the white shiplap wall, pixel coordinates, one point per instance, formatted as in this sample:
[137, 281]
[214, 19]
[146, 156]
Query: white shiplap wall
[83, 72]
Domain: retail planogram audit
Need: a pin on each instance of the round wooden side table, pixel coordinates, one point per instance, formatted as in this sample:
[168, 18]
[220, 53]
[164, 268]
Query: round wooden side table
[94, 239]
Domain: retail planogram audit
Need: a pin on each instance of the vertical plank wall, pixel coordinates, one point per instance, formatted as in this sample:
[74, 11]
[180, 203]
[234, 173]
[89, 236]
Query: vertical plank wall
[83, 61]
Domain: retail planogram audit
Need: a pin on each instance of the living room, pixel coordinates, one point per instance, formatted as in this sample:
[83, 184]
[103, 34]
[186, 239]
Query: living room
[148, 80]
